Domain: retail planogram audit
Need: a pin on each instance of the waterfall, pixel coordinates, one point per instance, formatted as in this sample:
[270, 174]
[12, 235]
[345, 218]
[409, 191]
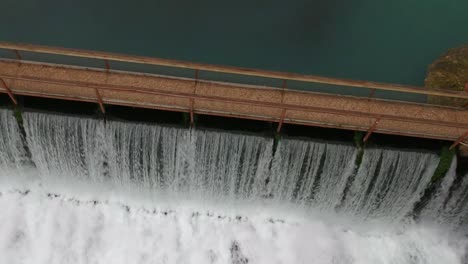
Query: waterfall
[389, 182]
[311, 173]
[222, 165]
[315, 177]
[12, 153]
[229, 166]
[165, 159]
[449, 204]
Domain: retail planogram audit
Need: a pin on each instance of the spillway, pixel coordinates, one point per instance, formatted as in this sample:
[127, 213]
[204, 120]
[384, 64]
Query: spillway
[84, 190]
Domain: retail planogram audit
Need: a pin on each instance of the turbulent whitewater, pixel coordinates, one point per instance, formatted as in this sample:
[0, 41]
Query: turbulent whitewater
[81, 190]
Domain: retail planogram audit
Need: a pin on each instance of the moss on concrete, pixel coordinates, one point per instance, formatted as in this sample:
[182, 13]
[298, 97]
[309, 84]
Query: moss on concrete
[186, 119]
[18, 116]
[446, 157]
[358, 142]
[449, 72]
[276, 141]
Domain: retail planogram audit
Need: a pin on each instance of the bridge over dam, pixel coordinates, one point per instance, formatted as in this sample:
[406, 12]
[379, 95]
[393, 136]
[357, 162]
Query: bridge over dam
[283, 98]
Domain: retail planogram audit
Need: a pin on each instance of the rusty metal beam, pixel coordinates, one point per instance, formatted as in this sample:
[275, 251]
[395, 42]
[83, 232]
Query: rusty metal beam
[280, 124]
[9, 92]
[99, 99]
[231, 70]
[192, 118]
[283, 113]
[192, 121]
[459, 140]
[371, 130]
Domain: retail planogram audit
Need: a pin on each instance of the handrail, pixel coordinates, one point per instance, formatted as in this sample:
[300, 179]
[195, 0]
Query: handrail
[230, 69]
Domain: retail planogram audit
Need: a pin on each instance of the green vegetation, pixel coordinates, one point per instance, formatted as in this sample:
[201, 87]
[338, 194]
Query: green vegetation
[186, 119]
[18, 115]
[446, 157]
[276, 141]
[358, 142]
[19, 120]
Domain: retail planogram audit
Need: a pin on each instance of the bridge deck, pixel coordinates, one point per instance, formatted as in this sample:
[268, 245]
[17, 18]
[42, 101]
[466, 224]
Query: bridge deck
[201, 96]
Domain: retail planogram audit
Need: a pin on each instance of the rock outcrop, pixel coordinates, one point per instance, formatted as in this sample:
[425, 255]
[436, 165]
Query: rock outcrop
[450, 72]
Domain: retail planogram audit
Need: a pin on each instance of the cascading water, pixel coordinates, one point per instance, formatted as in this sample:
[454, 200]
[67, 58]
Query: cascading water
[164, 159]
[389, 183]
[11, 149]
[311, 173]
[449, 204]
[158, 194]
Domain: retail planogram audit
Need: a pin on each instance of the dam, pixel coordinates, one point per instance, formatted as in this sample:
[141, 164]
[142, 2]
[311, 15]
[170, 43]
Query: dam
[318, 144]
[256, 189]
[166, 179]
[248, 197]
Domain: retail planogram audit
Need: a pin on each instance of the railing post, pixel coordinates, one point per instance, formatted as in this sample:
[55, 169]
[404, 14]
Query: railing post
[283, 113]
[98, 94]
[372, 93]
[459, 140]
[18, 56]
[280, 124]
[106, 62]
[192, 119]
[9, 92]
[371, 129]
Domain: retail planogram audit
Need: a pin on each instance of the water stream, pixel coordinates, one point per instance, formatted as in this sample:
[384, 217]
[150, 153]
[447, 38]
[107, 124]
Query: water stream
[81, 190]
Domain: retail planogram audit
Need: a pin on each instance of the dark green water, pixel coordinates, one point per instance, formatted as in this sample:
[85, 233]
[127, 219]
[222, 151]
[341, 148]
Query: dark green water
[389, 41]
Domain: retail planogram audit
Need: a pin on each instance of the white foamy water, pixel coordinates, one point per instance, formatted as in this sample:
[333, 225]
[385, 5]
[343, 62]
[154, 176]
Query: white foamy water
[39, 227]
[81, 190]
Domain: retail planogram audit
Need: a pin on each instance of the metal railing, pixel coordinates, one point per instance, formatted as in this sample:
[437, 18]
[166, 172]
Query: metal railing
[107, 57]
[17, 51]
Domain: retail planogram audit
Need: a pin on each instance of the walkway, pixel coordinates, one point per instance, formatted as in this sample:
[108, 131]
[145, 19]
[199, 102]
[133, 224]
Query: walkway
[116, 79]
